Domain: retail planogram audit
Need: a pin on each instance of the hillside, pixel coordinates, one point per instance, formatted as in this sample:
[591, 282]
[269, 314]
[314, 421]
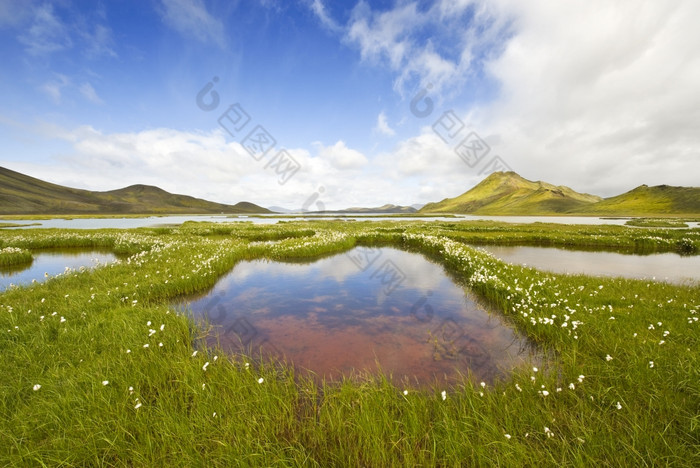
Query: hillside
[388, 208]
[506, 193]
[22, 194]
[645, 200]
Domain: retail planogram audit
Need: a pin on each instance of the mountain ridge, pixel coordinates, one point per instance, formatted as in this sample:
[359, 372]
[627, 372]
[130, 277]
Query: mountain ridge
[507, 193]
[21, 194]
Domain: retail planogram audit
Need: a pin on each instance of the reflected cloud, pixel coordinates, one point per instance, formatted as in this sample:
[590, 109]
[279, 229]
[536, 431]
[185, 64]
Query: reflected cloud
[332, 317]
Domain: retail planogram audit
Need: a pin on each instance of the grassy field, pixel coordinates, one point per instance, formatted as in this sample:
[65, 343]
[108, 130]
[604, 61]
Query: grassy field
[98, 370]
[656, 222]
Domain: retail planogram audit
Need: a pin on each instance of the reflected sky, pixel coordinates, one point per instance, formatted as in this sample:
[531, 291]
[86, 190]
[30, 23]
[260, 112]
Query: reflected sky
[360, 311]
[51, 263]
[668, 267]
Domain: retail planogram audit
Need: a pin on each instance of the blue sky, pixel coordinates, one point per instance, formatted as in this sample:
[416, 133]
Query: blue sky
[101, 95]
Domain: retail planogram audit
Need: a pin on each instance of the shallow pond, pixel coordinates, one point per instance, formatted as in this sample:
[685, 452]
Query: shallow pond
[668, 267]
[360, 311]
[48, 263]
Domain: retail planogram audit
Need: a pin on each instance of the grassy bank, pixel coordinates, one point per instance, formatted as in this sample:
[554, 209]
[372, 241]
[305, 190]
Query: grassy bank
[11, 256]
[97, 370]
[656, 222]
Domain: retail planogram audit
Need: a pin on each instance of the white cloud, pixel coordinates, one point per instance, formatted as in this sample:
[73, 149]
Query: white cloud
[342, 157]
[441, 46]
[90, 94]
[47, 33]
[319, 10]
[383, 35]
[191, 18]
[383, 126]
[599, 95]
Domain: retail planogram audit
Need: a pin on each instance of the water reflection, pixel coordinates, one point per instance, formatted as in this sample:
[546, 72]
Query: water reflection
[51, 263]
[399, 312]
[669, 267]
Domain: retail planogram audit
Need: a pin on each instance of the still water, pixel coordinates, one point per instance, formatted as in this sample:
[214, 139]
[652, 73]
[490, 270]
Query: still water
[51, 263]
[668, 267]
[152, 221]
[364, 310]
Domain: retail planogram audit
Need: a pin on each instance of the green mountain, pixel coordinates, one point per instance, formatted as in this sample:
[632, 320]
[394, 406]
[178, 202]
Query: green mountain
[506, 193]
[22, 194]
[645, 200]
[386, 209]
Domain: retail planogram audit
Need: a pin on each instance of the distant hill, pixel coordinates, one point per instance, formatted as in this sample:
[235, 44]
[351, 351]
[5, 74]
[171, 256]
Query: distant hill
[22, 194]
[645, 200]
[506, 193]
[279, 209]
[388, 208]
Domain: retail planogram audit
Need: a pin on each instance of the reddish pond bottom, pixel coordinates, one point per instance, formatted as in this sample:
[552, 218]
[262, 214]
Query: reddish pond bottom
[395, 312]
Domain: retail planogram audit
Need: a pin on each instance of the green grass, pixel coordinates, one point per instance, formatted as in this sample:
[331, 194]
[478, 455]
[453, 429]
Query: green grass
[11, 256]
[73, 332]
[654, 222]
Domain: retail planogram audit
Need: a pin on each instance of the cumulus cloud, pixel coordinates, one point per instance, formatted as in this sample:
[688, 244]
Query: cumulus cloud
[207, 165]
[342, 157]
[599, 95]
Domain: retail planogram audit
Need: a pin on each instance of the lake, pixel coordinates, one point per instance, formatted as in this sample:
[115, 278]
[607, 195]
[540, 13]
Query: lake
[357, 312]
[152, 221]
[669, 267]
[51, 263]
